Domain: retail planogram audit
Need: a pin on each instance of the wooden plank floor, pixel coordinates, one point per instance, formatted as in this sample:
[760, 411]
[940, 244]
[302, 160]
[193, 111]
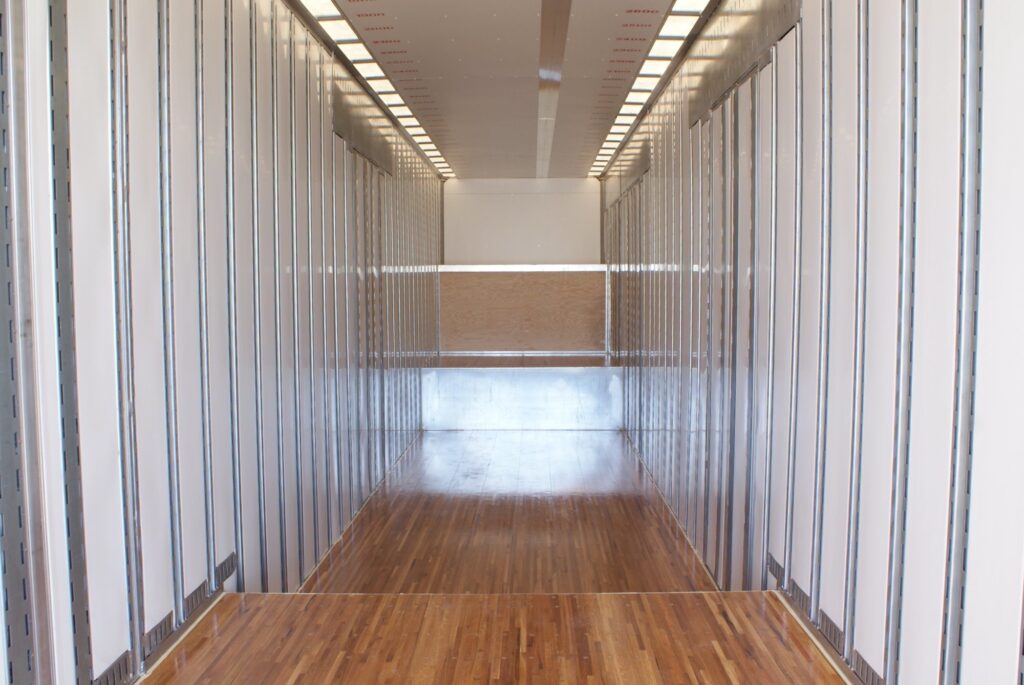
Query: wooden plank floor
[505, 557]
[515, 512]
[626, 639]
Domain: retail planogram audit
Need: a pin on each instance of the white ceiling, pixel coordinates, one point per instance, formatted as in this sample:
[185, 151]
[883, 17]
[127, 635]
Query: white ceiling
[470, 72]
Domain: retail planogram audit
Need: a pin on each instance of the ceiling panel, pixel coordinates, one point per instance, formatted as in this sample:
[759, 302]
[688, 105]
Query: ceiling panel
[470, 71]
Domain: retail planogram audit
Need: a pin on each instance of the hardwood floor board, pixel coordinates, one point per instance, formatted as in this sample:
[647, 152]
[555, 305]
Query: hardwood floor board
[514, 512]
[443, 639]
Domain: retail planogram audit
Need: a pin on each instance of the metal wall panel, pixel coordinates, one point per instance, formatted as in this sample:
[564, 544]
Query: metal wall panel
[189, 459]
[845, 262]
[786, 247]
[806, 468]
[247, 475]
[932, 390]
[830, 395]
[717, 222]
[218, 325]
[219, 250]
[763, 325]
[318, 467]
[991, 631]
[286, 294]
[873, 480]
[301, 45]
[264, 112]
[743, 463]
[92, 220]
[147, 317]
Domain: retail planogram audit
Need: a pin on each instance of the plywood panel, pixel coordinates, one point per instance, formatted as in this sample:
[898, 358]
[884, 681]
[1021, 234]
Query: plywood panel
[509, 311]
[748, 637]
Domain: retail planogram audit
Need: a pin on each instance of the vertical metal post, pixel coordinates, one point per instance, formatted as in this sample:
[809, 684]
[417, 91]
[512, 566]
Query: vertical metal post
[797, 287]
[300, 517]
[236, 468]
[66, 346]
[125, 339]
[769, 465]
[825, 290]
[204, 338]
[970, 180]
[278, 393]
[167, 268]
[905, 340]
[23, 574]
[860, 306]
[257, 342]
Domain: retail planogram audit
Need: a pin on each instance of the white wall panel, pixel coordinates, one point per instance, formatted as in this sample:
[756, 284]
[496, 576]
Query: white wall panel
[717, 362]
[286, 296]
[880, 344]
[217, 330]
[184, 228]
[245, 314]
[693, 382]
[266, 255]
[785, 283]
[995, 540]
[332, 301]
[843, 265]
[89, 96]
[805, 447]
[704, 318]
[318, 428]
[147, 316]
[522, 221]
[304, 385]
[744, 255]
[935, 308]
[254, 251]
[764, 270]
